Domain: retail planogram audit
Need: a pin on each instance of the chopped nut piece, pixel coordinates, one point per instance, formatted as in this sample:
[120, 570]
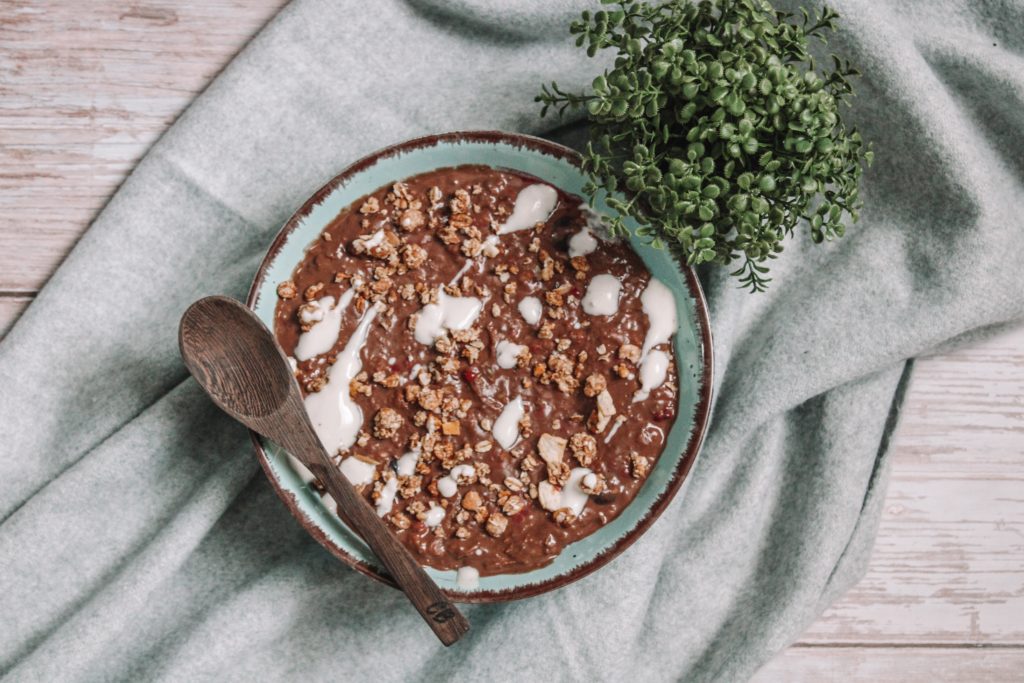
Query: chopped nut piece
[387, 423]
[462, 533]
[410, 486]
[513, 505]
[315, 384]
[412, 219]
[461, 203]
[593, 484]
[413, 256]
[430, 399]
[558, 473]
[371, 205]
[583, 447]
[630, 352]
[400, 520]
[639, 465]
[313, 291]
[513, 484]
[564, 516]
[595, 384]
[496, 524]
[287, 290]
[472, 500]
[551, 448]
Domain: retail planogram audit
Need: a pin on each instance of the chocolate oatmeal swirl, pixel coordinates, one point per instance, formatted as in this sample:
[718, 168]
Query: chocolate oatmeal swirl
[490, 371]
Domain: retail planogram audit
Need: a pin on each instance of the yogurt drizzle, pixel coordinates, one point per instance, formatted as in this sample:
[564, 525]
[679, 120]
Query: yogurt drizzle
[506, 428]
[582, 243]
[508, 354]
[660, 307]
[323, 335]
[387, 497]
[534, 204]
[449, 313]
[336, 418]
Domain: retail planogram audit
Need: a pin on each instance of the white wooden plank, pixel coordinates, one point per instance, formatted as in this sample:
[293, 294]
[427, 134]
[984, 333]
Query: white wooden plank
[86, 90]
[948, 566]
[894, 665]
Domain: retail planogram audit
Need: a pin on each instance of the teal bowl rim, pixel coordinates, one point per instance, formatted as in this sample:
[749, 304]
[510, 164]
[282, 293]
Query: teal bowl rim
[700, 418]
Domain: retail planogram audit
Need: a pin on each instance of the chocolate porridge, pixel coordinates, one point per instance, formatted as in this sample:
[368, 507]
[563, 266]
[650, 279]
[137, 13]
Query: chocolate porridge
[493, 373]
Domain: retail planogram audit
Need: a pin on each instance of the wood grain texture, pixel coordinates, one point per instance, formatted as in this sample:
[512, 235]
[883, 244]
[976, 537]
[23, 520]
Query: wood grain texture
[85, 89]
[893, 665]
[84, 93]
[948, 566]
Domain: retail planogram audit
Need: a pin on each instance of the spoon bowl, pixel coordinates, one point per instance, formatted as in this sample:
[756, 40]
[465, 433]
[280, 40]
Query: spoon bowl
[245, 374]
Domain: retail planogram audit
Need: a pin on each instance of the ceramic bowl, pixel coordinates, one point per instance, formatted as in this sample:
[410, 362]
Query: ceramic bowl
[559, 166]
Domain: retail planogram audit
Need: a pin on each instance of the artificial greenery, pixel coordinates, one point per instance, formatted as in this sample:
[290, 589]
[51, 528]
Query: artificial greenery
[719, 127]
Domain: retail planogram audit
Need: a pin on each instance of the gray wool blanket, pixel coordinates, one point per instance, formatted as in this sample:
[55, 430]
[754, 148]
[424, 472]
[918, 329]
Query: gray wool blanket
[140, 541]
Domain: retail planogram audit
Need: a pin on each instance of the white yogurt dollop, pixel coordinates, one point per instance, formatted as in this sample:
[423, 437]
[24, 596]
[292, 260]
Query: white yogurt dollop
[449, 313]
[506, 428]
[448, 485]
[508, 354]
[435, 515]
[406, 466]
[573, 496]
[387, 497]
[534, 204]
[653, 371]
[336, 418]
[660, 307]
[582, 243]
[531, 309]
[323, 335]
[467, 577]
[357, 471]
[375, 239]
[602, 297]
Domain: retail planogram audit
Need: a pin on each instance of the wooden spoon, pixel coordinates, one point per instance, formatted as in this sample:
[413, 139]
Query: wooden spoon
[239, 364]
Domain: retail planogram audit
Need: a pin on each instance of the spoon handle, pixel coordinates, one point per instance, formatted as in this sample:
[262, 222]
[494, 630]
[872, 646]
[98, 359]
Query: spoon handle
[437, 610]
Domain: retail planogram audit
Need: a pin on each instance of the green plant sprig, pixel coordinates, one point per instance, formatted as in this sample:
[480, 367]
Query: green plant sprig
[718, 127]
